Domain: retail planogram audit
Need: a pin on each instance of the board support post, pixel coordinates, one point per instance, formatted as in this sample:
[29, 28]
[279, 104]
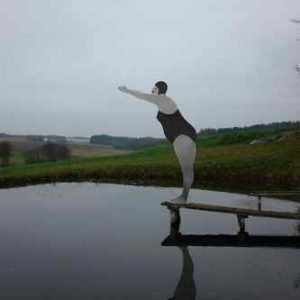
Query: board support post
[175, 221]
[259, 202]
[242, 224]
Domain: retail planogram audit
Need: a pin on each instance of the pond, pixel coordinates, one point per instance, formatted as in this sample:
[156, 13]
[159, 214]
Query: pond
[104, 241]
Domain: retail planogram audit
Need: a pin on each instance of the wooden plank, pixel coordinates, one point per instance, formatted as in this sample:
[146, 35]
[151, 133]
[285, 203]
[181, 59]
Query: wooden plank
[234, 210]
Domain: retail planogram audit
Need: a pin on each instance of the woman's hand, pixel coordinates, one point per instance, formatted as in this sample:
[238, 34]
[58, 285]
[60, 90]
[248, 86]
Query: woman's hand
[123, 88]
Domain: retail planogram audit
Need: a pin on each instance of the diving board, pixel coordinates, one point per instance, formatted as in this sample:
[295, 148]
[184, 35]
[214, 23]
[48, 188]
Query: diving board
[234, 210]
[241, 213]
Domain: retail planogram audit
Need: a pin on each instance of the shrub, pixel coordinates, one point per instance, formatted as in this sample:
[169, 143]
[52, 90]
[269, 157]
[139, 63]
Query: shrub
[5, 153]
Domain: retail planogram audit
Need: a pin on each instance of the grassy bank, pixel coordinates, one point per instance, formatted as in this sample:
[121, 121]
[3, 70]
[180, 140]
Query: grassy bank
[275, 165]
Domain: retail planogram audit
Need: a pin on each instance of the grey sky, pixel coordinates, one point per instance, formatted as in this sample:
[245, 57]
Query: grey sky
[227, 63]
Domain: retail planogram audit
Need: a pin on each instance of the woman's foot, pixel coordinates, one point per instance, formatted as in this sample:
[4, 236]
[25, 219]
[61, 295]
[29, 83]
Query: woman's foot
[180, 199]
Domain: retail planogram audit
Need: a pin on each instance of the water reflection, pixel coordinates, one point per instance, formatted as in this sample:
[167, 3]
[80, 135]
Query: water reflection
[185, 288]
[297, 282]
[86, 241]
[298, 225]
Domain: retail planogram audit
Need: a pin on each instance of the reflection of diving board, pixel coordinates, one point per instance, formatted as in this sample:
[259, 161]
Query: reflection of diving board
[225, 240]
[242, 213]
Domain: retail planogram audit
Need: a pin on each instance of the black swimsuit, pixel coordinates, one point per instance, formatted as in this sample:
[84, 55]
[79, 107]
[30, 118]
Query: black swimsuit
[174, 125]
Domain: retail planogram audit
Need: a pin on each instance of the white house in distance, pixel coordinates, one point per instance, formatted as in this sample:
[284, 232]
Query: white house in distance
[78, 140]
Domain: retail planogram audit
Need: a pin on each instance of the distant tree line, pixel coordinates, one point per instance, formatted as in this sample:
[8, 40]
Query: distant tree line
[276, 126]
[3, 134]
[126, 143]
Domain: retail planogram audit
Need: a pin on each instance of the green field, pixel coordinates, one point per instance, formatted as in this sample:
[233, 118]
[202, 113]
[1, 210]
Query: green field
[274, 165]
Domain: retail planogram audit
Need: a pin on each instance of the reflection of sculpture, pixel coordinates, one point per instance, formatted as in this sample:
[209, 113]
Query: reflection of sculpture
[177, 131]
[186, 288]
[297, 282]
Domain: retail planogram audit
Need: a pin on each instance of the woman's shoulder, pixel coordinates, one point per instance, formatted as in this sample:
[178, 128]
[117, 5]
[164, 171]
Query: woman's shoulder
[167, 105]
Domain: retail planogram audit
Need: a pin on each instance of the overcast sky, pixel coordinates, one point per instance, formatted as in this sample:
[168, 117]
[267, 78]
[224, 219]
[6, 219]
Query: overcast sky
[227, 63]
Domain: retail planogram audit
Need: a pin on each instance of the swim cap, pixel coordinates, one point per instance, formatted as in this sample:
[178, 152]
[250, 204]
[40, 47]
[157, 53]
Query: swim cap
[162, 87]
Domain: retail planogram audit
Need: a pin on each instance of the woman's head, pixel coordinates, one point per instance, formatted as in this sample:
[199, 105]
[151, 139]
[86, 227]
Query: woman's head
[160, 87]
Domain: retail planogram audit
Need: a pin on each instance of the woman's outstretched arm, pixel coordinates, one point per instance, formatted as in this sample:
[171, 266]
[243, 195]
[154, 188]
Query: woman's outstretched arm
[140, 95]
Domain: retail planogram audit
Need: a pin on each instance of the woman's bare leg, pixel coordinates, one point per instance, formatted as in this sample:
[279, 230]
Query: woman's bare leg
[186, 150]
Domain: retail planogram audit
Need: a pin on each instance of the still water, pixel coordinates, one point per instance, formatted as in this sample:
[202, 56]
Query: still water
[103, 241]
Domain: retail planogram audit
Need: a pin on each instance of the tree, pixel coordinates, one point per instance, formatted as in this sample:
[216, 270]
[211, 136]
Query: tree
[48, 151]
[56, 151]
[5, 152]
[297, 67]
